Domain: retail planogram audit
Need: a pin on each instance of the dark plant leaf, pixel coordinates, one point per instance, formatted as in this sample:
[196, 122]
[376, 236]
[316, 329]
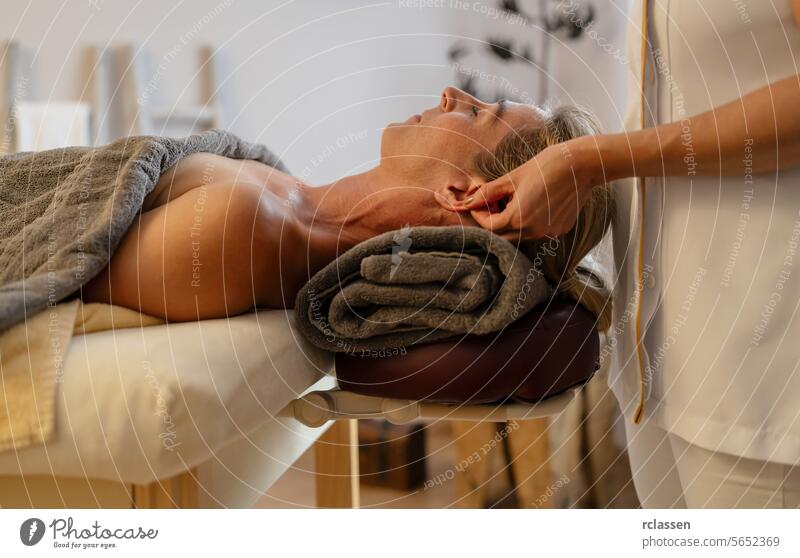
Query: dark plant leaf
[501, 49]
[510, 6]
[456, 52]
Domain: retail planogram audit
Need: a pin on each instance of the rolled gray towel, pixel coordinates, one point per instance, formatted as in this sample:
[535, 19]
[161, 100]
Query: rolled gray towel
[418, 285]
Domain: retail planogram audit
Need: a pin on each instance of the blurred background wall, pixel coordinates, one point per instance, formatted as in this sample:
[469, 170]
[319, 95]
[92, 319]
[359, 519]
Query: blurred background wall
[314, 77]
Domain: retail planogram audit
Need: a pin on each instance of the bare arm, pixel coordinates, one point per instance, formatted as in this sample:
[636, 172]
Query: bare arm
[763, 126]
[546, 193]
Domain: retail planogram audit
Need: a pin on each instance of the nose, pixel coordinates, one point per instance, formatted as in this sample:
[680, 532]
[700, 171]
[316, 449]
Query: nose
[454, 98]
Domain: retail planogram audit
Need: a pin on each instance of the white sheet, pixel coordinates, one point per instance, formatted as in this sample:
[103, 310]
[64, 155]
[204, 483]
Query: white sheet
[140, 404]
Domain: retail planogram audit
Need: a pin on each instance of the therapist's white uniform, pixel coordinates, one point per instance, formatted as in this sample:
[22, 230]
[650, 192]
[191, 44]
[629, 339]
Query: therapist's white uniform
[709, 268]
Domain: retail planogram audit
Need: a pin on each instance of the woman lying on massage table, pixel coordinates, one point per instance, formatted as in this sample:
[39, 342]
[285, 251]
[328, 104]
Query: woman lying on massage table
[218, 236]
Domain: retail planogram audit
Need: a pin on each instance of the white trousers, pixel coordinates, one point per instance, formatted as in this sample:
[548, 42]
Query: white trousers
[670, 472]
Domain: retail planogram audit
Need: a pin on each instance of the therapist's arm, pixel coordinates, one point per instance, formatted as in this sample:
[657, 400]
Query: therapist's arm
[546, 193]
[762, 128]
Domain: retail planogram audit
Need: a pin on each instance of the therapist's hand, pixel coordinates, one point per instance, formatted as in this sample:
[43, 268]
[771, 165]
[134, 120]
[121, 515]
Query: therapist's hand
[542, 197]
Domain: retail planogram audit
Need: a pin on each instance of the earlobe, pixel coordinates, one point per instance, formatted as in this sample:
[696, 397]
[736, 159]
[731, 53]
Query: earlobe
[455, 191]
[445, 201]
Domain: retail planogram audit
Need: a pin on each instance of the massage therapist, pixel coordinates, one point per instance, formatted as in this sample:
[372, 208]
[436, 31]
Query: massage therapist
[706, 331]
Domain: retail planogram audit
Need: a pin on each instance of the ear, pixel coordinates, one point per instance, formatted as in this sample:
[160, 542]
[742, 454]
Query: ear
[456, 190]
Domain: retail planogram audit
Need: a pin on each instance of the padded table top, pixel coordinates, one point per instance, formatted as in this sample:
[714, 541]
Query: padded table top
[138, 404]
[553, 347]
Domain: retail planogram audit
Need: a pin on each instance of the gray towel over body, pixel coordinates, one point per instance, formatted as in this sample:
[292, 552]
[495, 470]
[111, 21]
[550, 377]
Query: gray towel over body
[418, 285]
[63, 212]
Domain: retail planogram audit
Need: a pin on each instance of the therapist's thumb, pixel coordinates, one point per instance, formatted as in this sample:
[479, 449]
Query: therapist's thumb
[488, 193]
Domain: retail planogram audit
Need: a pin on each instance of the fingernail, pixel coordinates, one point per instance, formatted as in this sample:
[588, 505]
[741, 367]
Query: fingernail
[468, 200]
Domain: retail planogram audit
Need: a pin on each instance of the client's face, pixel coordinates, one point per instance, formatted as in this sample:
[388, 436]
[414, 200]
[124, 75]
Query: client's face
[435, 150]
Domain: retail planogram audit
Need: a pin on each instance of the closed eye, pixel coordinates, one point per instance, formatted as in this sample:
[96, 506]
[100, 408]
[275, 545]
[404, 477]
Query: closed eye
[474, 110]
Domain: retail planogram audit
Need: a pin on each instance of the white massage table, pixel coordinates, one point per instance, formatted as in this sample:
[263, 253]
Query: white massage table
[142, 404]
[204, 414]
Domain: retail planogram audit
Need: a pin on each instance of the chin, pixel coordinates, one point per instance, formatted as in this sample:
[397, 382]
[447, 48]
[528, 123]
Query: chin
[394, 139]
[388, 140]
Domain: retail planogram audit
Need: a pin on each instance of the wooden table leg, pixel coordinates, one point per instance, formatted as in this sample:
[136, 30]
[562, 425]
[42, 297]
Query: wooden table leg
[179, 492]
[530, 453]
[471, 465]
[336, 456]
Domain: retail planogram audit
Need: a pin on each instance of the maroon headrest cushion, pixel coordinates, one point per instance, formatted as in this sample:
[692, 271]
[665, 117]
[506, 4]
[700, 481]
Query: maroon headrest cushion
[553, 347]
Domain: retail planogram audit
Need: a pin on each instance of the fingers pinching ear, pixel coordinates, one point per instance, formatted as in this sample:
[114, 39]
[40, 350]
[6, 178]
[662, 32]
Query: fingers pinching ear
[488, 193]
[448, 204]
[495, 222]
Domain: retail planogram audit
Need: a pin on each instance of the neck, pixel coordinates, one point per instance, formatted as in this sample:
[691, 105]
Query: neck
[335, 217]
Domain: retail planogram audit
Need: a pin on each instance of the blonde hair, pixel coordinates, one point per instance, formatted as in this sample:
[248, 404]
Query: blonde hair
[561, 257]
